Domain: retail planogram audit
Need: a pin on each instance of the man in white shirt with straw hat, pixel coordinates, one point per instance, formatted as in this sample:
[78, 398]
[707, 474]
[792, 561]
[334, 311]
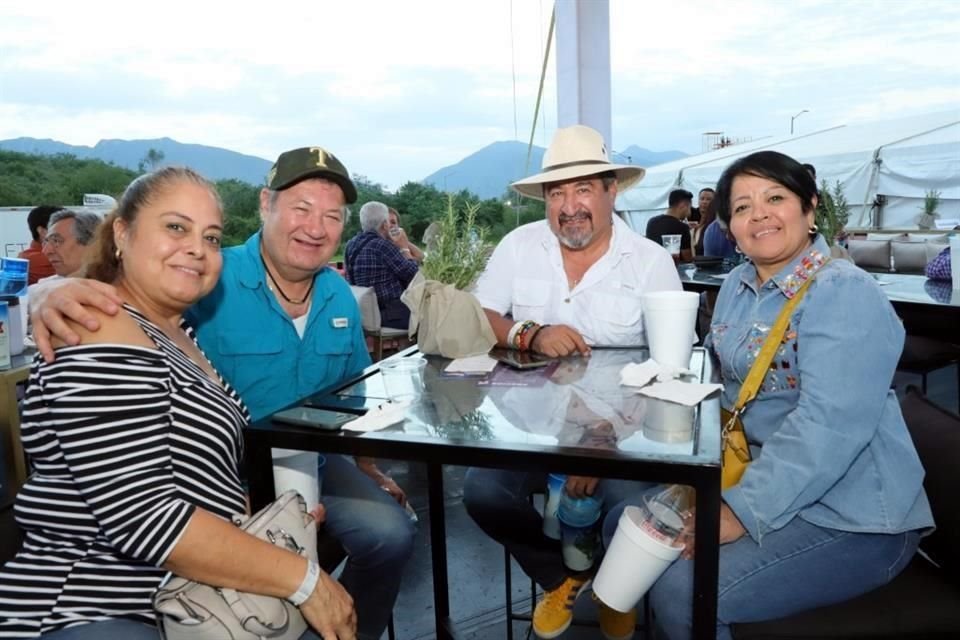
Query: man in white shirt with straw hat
[558, 287]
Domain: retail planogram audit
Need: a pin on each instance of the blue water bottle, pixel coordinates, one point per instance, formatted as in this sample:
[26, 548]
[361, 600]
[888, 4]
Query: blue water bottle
[13, 276]
[581, 537]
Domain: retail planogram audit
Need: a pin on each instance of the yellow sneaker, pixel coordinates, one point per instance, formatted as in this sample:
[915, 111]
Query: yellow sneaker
[614, 624]
[554, 612]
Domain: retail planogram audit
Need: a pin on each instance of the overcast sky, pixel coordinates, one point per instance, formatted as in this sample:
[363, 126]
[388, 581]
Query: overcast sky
[399, 89]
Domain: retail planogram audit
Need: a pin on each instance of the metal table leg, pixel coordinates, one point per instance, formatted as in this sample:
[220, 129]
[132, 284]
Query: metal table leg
[706, 551]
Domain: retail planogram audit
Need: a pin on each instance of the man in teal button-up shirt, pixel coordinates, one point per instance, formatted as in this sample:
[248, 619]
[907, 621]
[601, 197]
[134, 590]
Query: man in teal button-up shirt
[255, 343]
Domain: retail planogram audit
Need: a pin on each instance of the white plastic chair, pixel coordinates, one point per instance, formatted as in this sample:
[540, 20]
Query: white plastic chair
[366, 299]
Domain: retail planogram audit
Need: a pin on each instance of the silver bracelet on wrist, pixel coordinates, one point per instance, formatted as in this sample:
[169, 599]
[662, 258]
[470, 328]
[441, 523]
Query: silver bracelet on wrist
[307, 586]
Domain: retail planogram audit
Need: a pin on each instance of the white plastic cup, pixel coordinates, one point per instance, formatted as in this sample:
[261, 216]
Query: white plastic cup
[301, 471]
[671, 242]
[955, 261]
[670, 320]
[668, 421]
[633, 562]
[403, 378]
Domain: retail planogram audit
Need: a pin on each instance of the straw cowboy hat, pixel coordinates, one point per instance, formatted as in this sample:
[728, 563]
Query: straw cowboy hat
[575, 152]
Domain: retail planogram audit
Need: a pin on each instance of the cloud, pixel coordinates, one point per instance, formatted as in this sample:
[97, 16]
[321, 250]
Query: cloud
[400, 89]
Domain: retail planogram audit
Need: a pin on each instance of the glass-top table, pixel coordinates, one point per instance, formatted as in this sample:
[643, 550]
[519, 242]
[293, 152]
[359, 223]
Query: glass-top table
[927, 307]
[574, 404]
[572, 417]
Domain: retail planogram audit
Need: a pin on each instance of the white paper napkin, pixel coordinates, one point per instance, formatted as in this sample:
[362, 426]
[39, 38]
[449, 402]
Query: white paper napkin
[387, 414]
[686, 393]
[472, 364]
[637, 375]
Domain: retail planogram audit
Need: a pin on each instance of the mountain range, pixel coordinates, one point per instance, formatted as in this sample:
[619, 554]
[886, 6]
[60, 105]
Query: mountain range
[487, 172]
[213, 162]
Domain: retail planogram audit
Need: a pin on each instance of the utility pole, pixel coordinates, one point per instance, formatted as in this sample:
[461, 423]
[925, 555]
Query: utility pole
[792, 118]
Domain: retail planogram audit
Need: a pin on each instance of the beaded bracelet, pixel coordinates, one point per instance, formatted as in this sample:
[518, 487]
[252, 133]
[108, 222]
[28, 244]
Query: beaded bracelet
[523, 336]
[516, 341]
[536, 332]
[519, 341]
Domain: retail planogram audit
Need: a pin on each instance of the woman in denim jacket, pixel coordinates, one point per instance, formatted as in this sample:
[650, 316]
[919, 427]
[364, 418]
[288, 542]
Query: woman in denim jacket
[832, 505]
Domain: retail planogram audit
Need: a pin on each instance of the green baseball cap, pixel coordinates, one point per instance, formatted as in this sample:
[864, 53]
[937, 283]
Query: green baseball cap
[310, 162]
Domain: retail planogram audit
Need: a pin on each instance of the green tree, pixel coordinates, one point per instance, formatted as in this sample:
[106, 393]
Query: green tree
[419, 205]
[241, 210]
[62, 179]
[151, 160]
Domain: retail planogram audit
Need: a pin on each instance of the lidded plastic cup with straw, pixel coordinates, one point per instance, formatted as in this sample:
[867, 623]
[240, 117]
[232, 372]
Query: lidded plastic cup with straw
[647, 541]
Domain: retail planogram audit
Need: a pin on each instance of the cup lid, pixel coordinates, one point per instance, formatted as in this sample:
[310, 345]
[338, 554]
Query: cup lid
[578, 512]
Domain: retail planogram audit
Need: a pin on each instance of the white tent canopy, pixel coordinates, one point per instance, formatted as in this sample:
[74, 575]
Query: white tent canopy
[884, 168]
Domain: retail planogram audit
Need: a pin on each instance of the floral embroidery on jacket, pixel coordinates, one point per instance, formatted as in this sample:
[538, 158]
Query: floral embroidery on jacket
[802, 272]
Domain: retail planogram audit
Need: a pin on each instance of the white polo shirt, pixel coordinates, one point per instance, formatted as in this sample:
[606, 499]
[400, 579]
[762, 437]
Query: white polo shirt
[525, 278]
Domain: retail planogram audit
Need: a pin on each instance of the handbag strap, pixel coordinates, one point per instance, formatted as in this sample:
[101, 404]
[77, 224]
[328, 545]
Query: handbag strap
[750, 387]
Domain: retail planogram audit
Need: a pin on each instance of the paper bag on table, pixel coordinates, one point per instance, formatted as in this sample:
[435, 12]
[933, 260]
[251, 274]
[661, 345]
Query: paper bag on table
[446, 320]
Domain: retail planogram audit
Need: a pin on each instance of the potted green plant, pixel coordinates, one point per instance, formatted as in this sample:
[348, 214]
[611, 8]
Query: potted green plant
[833, 212]
[928, 215]
[458, 249]
[446, 317]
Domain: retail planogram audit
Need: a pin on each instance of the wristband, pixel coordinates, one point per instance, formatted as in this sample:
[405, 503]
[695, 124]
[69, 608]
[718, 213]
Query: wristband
[512, 336]
[535, 333]
[307, 586]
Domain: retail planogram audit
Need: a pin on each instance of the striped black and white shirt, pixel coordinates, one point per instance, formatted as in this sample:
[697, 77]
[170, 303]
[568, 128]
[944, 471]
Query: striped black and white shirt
[126, 442]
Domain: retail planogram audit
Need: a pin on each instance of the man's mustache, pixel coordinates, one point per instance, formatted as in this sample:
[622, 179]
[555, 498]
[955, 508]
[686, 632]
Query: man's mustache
[579, 215]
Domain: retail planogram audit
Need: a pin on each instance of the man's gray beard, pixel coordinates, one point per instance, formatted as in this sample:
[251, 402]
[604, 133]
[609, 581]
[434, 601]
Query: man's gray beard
[575, 243]
[578, 242]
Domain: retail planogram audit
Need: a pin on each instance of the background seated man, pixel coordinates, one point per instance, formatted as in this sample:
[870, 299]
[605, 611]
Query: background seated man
[674, 222]
[940, 267]
[375, 258]
[68, 236]
[38, 220]
[717, 241]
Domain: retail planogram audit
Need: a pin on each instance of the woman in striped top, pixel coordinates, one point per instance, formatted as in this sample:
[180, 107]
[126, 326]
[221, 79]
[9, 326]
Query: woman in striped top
[136, 441]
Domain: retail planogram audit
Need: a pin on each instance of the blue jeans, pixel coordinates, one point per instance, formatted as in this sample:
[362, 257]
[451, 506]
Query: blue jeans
[799, 567]
[120, 629]
[377, 535]
[395, 314]
[498, 501]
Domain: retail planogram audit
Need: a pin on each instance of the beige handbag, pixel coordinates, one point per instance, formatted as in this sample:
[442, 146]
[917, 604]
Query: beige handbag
[188, 610]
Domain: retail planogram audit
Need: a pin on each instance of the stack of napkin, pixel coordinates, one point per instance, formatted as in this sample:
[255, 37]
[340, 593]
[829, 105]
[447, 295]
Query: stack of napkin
[381, 417]
[471, 365]
[667, 385]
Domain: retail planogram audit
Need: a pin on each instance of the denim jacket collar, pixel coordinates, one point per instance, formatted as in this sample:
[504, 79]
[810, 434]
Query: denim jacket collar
[791, 278]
